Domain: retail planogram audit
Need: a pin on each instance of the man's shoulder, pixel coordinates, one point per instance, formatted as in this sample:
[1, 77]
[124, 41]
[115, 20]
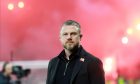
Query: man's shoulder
[90, 57]
[54, 59]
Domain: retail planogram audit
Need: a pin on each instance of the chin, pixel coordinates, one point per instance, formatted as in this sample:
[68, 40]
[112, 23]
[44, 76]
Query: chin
[69, 48]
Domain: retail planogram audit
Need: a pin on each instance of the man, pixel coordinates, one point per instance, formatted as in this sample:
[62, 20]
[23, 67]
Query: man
[5, 73]
[74, 65]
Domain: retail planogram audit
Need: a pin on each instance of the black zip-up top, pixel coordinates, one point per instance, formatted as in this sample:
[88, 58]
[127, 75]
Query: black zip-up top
[65, 67]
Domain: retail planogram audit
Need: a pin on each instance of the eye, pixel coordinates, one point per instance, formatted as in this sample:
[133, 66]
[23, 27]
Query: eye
[73, 33]
[64, 34]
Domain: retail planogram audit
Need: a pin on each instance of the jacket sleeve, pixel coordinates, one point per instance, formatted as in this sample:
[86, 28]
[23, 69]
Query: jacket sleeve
[48, 73]
[96, 72]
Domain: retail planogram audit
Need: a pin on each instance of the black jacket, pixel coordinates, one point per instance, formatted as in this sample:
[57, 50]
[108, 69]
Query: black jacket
[88, 69]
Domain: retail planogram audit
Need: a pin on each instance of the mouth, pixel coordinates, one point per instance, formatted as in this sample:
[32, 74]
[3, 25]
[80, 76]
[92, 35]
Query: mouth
[70, 42]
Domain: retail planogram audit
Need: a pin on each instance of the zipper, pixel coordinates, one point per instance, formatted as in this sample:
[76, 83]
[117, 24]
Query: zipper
[66, 68]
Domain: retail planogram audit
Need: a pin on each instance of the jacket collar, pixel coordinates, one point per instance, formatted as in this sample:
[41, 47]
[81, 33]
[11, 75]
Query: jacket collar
[81, 53]
[75, 54]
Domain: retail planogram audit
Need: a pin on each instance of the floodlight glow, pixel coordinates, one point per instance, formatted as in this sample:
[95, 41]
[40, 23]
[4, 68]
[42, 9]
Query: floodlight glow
[124, 40]
[20, 4]
[138, 26]
[109, 64]
[10, 6]
[129, 31]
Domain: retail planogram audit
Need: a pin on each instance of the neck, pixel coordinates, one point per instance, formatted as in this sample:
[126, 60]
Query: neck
[68, 52]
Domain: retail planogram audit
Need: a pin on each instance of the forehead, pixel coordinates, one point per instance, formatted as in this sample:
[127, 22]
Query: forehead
[69, 28]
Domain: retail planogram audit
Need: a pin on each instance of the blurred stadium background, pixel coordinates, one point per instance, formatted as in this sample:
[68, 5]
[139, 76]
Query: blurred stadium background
[29, 35]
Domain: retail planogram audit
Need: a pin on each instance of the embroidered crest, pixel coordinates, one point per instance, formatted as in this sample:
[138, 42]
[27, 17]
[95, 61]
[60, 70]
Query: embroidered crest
[82, 59]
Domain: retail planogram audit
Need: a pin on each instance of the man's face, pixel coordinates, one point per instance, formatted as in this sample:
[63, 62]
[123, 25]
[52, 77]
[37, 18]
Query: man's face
[8, 69]
[70, 37]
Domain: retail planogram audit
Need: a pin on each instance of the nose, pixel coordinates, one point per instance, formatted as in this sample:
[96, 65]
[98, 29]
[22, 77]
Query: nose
[69, 36]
